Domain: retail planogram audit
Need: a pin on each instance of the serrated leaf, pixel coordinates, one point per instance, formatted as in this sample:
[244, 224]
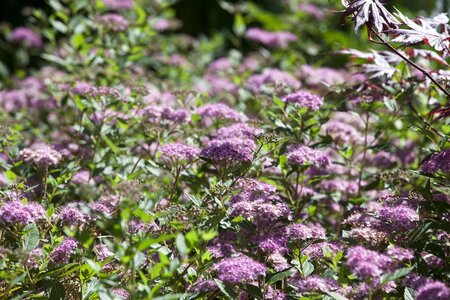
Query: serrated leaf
[371, 13]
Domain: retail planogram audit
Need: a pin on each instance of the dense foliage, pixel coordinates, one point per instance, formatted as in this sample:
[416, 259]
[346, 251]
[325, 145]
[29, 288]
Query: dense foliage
[138, 162]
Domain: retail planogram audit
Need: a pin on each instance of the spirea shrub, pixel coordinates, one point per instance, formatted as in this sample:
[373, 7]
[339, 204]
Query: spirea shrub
[261, 162]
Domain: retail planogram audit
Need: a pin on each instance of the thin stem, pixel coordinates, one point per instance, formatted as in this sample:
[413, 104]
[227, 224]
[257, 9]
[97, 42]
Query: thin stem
[366, 130]
[425, 72]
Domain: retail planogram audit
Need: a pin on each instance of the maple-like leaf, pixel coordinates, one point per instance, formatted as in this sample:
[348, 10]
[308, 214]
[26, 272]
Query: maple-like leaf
[427, 54]
[371, 13]
[388, 56]
[379, 64]
[379, 67]
[422, 32]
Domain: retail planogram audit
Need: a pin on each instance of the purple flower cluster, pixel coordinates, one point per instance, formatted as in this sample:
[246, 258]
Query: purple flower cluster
[41, 155]
[34, 257]
[71, 214]
[314, 284]
[29, 94]
[219, 111]
[343, 133]
[177, 152]
[302, 232]
[119, 4]
[383, 159]
[101, 91]
[280, 39]
[257, 202]
[163, 24]
[135, 226]
[261, 211]
[437, 162]
[62, 253]
[82, 177]
[339, 184]
[274, 294]
[366, 263]
[229, 151]
[121, 293]
[216, 85]
[303, 155]
[397, 218]
[166, 114]
[304, 99]
[239, 269]
[272, 76]
[81, 88]
[434, 290]
[113, 22]
[103, 252]
[222, 245]
[278, 261]
[238, 130]
[317, 77]
[26, 36]
[252, 190]
[312, 10]
[204, 286]
[16, 212]
[318, 250]
[399, 253]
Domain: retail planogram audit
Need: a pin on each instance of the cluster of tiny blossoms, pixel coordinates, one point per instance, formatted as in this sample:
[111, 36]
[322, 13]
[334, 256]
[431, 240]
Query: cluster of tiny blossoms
[137, 161]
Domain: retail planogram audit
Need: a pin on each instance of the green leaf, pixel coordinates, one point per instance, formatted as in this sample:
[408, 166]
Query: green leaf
[31, 239]
[58, 25]
[209, 235]
[254, 291]
[409, 294]
[336, 296]
[196, 200]
[279, 276]
[50, 211]
[396, 275]
[111, 145]
[147, 243]
[226, 289]
[338, 257]
[135, 174]
[181, 245]
[308, 268]
[55, 290]
[191, 238]
[77, 40]
[239, 25]
[170, 297]
[54, 59]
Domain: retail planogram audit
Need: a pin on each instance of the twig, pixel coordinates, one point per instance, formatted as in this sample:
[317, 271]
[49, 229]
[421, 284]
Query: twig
[425, 72]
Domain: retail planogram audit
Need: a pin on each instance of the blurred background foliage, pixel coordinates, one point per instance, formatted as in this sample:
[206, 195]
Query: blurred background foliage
[220, 21]
[205, 16]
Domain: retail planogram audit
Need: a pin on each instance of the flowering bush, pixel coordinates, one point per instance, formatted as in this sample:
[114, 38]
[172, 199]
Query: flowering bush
[141, 163]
